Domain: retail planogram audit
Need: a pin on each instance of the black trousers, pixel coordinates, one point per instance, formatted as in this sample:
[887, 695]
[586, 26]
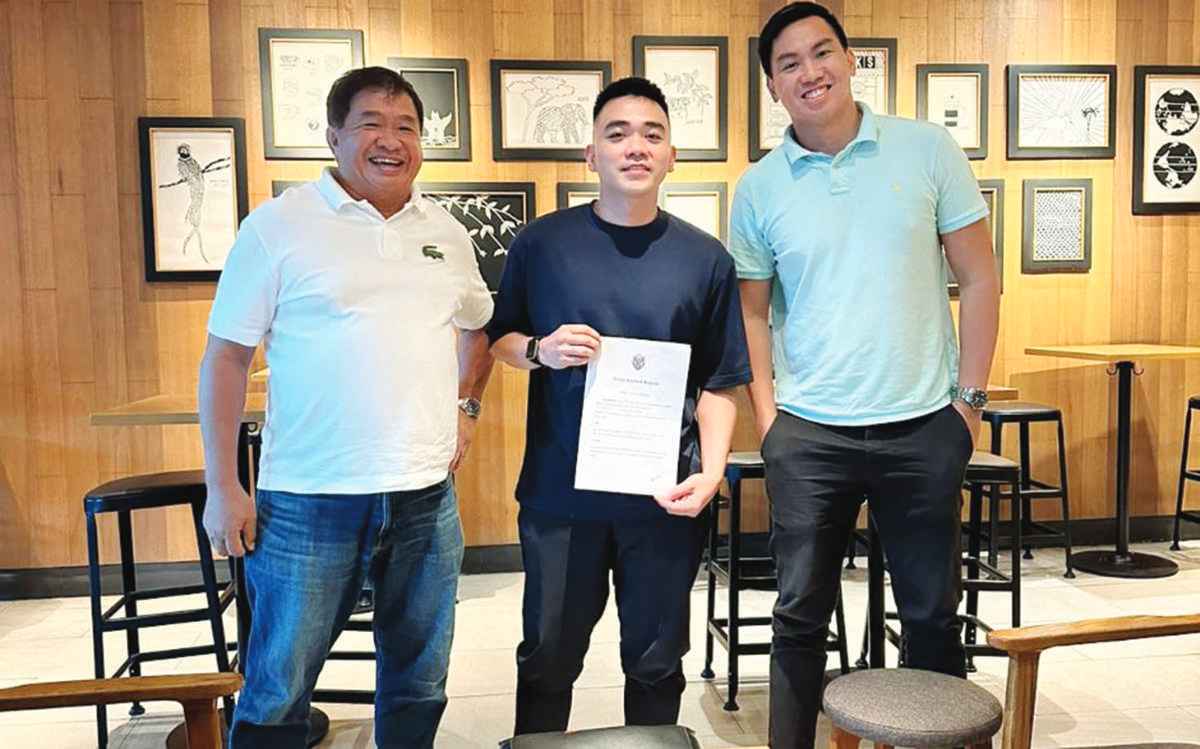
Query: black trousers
[567, 565]
[817, 477]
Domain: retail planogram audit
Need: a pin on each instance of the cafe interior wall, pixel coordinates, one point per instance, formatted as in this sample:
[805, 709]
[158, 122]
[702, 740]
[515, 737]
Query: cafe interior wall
[82, 330]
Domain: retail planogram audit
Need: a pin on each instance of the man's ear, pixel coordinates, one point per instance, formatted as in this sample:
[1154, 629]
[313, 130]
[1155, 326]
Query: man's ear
[331, 138]
[589, 155]
[771, 89]
[671, 161]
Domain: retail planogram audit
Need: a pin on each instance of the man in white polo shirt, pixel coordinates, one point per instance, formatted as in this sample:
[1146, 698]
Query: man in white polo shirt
[356, 285]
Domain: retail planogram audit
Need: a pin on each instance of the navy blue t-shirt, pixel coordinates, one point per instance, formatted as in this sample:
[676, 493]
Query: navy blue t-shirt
[664, 281]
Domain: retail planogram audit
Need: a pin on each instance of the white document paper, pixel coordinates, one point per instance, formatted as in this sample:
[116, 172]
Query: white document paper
[632, 416]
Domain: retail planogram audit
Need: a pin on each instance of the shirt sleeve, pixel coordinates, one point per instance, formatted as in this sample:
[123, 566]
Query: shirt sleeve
[475, 302]
[752, 255]
[512, 307]
[248, 291]
[959, 202]
[722, 357]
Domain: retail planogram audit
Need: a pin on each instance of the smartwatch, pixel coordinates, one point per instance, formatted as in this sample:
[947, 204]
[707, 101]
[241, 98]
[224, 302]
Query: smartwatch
[531, 349]
[470, 406]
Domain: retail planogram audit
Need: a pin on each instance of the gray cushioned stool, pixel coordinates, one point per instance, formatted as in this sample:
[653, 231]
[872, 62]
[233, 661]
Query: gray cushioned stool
[908, 707]
[624, 737]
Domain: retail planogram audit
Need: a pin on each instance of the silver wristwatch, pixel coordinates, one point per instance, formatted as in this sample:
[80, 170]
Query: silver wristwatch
[470, 406]
[976, 398]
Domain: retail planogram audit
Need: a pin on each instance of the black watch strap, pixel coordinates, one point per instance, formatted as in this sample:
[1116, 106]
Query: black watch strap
[531, 349]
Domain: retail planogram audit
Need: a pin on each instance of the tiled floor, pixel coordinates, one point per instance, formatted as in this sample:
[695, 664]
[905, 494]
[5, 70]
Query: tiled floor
[1089, 695]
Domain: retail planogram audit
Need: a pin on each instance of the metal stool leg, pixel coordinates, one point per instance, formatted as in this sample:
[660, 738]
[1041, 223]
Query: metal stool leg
[129, 586]
[843, 651]
[735, 550]
[1066, 503]
[994, 501]
[208, 572]
[97, 631]
[1187, 436]
[714, 515]
[1026, 509]
[1017, 506]
[973, 551]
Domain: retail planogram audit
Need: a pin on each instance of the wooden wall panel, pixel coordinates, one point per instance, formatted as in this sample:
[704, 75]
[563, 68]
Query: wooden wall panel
[89, 332]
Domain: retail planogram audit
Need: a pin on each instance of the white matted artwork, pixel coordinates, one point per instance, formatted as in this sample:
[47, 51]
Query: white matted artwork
[1061, 111]
[692, 73]
[874, 81]
[543, 110]
[1056, 231]
[954, 104]
[571, 194]
[773, 118]
[1166, 140]
[701, 204]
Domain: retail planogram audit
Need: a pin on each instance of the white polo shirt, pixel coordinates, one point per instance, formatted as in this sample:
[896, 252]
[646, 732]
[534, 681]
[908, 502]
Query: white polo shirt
[358, 315]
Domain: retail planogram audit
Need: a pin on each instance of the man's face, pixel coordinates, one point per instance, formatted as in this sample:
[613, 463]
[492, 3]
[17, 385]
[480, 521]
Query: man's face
[810, 73]
[631, 147]
[378, 147]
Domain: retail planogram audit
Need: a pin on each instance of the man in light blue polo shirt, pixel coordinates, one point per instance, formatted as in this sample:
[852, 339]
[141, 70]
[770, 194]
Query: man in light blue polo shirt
[840, 236]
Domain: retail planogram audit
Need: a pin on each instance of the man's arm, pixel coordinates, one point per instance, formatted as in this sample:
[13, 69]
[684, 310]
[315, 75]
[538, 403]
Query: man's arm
[570, 345]
[474, 369]
[716, 413]
[229, 514]
[756, 310]
[969, 253]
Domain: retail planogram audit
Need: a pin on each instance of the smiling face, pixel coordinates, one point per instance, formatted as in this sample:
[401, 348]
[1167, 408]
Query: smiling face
[810, 75]
[378, 148]
[631, 147]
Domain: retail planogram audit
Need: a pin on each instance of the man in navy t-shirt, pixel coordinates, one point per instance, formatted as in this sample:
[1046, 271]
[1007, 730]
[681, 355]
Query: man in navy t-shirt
[616, 267]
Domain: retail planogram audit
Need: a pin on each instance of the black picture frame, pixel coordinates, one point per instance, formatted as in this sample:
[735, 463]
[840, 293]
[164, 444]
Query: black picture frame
[312, 97]
[147, 129]
[278, 186]
[563, 192]
[505, 207]
[443, 83]
[1183, 140]
[719, 189]
[757, 148]
[1030, 262]
[888, 46]
[980, 72]
[576, 115]
[993, 194]
[683, 89]
[1056, 105]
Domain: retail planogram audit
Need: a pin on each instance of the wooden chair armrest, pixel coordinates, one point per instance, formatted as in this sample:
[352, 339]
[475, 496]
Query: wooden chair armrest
[179, 688]
[1042, 637]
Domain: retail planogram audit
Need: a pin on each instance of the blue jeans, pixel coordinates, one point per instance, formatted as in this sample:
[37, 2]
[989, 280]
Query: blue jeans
[311, 558]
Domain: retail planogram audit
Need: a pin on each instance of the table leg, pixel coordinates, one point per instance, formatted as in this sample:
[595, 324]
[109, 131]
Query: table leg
[875, 592]
[1122, 562]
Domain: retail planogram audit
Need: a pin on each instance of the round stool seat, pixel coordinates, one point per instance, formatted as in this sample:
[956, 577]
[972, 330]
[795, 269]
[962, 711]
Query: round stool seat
[749, 458]
[147, 490]
[909, 707]
[1014, 411]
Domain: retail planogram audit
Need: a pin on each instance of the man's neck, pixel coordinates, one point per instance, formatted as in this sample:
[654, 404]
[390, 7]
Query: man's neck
[627, 210]
[387, 206]
[830, 139]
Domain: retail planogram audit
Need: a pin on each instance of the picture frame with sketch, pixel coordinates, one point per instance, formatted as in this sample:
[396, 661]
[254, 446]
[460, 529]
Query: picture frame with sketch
[1062, 111]
[491, 212]
[571, 194]
[955, 96]
[1056, 226]
[443, 83]
[769, 120]
[704, 205]
[693, 73]
[874, 81]
[1166, 141]
[542, 109]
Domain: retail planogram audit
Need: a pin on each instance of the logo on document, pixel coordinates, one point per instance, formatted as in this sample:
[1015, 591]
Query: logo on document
[639, 361]
[431, 251]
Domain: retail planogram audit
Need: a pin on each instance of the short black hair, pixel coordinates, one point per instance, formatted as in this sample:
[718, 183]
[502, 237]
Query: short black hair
[631, 86]
[786, 16]
[337, 104]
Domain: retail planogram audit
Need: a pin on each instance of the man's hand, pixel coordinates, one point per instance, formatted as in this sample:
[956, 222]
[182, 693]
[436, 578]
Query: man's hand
[972, 417]
[466, 433]
[569, 346]
[230, 520]
[689, 497]
[764, 426]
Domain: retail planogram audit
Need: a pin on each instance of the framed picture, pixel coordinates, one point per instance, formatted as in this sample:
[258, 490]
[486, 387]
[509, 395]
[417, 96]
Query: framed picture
[693, 73]
[571, 194]
[1062, 111]
[278, 186]
[297, 68]
[542, 109]
[702, 204]
[768, 118]
[193, 194]
[442, 84]
[993, 194]
[874, 81]
[956, 97]
[1166, 107]
[1056, 226]
[491, 212]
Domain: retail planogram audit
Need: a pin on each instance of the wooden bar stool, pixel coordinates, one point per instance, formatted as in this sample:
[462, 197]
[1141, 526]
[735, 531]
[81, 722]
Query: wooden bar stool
[1185, 474]
[143, 492]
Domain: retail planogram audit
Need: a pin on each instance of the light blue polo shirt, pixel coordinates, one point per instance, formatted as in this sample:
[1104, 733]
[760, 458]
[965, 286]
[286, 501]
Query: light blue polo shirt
[862, 332]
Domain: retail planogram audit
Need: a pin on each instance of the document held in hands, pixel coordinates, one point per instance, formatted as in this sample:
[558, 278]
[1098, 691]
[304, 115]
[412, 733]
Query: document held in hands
[632, 416]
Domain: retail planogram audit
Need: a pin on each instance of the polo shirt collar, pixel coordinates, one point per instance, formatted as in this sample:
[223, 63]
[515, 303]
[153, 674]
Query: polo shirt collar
[868, 132]
[337, 197]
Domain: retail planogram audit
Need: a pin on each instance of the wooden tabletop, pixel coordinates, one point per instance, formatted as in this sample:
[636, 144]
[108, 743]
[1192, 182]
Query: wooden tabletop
[1002, 393]
[1117, 352]
[171, 409]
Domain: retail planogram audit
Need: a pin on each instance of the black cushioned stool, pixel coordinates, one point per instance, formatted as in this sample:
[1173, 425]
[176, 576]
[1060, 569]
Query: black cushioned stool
[739, 572]
[1023, 414]
[624, 737]
[1186, 474]
[907, 707]
[144, 492]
